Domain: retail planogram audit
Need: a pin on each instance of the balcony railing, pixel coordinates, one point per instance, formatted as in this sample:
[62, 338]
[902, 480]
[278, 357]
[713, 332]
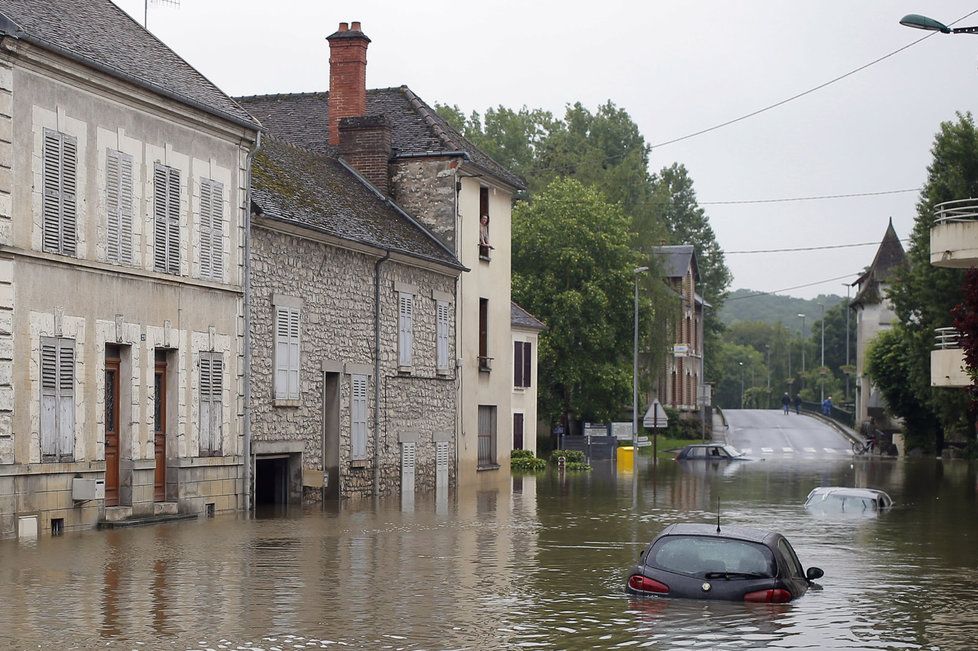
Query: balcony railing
[962, 210]
[947, 338]
[954, 235]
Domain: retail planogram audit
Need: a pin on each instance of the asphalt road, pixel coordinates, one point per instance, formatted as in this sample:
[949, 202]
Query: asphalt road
[771, 434]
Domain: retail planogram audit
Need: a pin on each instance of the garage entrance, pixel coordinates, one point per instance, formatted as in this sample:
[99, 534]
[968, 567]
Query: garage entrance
[272, 480]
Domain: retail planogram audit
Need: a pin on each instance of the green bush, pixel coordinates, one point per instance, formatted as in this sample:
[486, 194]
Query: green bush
[528, 463]
[577, 466]
[522, 454]
[570, 456]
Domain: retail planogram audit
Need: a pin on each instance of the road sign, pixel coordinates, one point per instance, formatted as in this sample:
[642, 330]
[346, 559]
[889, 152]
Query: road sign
[644, 442]
[680, 350]
[655, 417]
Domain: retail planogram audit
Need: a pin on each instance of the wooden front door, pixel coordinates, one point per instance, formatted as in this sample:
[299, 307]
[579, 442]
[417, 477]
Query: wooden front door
[111, 426]
[159, 427]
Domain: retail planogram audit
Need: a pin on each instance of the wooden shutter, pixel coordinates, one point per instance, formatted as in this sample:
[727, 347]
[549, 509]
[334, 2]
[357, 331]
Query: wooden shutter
[517, 363]
[211, 402]
[358, 417]
[118, 199]
[211, 229]
[57, 397]
[441, 464]
[58, 205]
[443, 317]
[405, 328]
[408, 464]
[286, 353]
[206, 405]
[527, 362]
[166, 219]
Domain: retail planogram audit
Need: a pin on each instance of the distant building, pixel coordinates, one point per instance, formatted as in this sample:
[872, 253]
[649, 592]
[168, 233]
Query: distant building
[682, 378]
[526, 336]
[874, 314]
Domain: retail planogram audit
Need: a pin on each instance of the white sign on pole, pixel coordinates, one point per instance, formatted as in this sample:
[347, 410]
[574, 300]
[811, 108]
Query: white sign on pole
[655, 417]
[622, 431]
[680, 350]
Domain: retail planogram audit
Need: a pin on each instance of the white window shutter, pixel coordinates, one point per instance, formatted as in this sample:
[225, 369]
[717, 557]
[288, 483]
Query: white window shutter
[358, 417]
[204, 392]
[441, 464]
[205, 229]
[287, 353]
[159, 218]
[113, 203]
[443, 324]
[69, 175]
[408, 463]
[66, 397]
[173, 221]
[125, 208]
[293, 382]
[49, 398]
[217, 402]
[51, 193]
[405, 328]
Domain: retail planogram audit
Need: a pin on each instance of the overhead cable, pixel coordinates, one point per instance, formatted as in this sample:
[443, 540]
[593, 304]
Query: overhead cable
[787, 289]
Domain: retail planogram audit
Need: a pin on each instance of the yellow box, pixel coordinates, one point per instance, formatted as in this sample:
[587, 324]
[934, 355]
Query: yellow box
[626, 457]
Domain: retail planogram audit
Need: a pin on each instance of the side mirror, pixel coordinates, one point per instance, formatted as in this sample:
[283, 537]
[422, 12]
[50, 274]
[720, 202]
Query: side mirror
[814, 573]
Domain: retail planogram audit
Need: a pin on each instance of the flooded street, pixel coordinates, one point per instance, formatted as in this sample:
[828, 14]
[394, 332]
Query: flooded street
[525, 562]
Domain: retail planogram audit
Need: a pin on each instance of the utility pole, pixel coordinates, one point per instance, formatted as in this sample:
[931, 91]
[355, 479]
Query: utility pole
[741, 384]
[822, 370]
[802, 317]
[635, 273]
[767, 364]
[847, 342]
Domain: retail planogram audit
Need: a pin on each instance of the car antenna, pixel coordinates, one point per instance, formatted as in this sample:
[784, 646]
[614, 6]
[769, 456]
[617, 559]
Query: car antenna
[718, 514]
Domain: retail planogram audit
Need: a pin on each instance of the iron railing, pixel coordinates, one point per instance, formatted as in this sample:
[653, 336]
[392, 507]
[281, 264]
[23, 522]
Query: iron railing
[947, 338]
[962, 210]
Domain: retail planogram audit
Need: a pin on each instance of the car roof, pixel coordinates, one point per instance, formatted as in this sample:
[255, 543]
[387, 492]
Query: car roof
[715, 444]
[868, 493]
[726, 531]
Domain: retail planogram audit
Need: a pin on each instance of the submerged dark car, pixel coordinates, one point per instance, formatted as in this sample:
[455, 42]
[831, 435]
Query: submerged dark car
[709, 452]
[694, 561]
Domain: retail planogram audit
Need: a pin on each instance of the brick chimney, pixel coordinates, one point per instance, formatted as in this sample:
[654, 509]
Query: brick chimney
[347, 76]
[365, 143]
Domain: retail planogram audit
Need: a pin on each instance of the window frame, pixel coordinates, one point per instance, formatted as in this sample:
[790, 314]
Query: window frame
[522, 364]
[210, 392]
[119, 213]
[443, 323]
[59, 229]
[405, 330]
[166, 219]
[211, 229]
[291, 363]
[56, 438]
[359, 416]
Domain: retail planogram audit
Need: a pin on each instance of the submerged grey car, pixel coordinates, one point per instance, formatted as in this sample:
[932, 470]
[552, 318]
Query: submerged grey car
[696, 561]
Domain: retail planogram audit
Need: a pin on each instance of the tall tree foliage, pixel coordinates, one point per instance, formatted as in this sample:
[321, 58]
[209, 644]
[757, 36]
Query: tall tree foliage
[923, 295]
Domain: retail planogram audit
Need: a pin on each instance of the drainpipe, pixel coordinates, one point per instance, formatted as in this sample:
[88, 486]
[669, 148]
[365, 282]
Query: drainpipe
[377, 264]
[246, 281]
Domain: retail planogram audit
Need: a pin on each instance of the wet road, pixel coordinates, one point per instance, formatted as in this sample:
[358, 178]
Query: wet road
[770, 433]
[516, 563]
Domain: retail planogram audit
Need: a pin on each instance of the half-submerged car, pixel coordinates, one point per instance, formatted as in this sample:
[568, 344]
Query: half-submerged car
[696, 561]
[709, 452]
[837, 499]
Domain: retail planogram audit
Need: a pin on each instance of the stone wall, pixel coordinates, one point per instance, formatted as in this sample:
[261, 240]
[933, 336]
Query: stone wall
[425, 188]
[336, 290]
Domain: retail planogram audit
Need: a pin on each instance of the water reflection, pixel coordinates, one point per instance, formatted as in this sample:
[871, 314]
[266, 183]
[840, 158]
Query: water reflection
[528, 561]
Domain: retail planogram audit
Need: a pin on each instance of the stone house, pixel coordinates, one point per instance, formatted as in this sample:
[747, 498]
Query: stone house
[410, 154]
[122, 195]
[682, 378]
[354, 385]
[526, 338]
[874, 314]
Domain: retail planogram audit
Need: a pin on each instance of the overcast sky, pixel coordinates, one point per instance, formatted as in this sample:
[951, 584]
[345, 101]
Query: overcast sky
[676, 67]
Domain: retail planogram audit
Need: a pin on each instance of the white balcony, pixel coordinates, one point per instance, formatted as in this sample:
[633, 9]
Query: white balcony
[954, 235]
[947, 360]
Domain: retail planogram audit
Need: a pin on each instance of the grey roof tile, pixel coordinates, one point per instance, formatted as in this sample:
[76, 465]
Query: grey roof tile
[520, 318]
[293, 185]
[675, 260]
[103, 36]
[301, 118]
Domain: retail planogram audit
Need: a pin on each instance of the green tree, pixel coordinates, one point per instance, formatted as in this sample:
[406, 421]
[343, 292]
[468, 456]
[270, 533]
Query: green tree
[572, 267]
[739, 366]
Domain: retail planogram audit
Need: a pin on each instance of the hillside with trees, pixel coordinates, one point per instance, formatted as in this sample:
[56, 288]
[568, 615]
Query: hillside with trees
[772, 309]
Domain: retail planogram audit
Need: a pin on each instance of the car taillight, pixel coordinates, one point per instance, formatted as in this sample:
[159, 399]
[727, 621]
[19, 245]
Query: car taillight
[645, 584]
[778, 596]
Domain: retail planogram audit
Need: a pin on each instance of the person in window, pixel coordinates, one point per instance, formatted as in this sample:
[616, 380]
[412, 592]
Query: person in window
[484, 232]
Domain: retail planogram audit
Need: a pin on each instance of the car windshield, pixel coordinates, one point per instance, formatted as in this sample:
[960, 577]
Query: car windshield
[700, 555]
[842, 502]
[732, 451]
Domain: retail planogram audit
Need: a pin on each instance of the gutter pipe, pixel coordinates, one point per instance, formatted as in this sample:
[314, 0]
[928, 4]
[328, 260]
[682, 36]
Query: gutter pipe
[246, 281]
[377, 265]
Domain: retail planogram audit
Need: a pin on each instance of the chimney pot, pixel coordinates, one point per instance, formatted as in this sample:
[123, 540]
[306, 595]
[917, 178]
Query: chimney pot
[347, 77]
[344, 27]
[355, 26]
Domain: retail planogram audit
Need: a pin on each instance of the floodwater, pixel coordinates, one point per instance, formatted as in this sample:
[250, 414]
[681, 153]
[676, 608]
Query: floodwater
[518, 563]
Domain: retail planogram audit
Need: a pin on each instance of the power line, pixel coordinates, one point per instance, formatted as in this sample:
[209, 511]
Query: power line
[812, 198]
[809, 248]
[806, 92]
[787, 289]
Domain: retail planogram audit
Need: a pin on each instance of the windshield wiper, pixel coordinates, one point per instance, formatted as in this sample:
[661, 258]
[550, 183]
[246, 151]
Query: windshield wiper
[734, 575]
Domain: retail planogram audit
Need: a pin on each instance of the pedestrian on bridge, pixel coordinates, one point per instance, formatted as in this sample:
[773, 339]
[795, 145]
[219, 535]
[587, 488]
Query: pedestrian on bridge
[797, 404]
[786, 402]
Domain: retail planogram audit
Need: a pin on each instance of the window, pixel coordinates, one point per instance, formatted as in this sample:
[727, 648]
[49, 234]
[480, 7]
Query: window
[211, 229]
[405, 329]
[286, 353]
[443, 311]
[517, 431]
[487, 436]
[211, 403]
[358, 417]
[522, 357]
[57, 399]
[484, 228]
[794, 566]
[118, 203]
[59, 170]
[485, 362]
[698, 555]
[166, 219]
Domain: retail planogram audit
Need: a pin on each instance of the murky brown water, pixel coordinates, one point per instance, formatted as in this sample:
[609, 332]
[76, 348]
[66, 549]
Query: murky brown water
[537, 562]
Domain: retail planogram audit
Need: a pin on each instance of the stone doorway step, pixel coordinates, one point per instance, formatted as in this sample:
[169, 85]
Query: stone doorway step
[118, 517]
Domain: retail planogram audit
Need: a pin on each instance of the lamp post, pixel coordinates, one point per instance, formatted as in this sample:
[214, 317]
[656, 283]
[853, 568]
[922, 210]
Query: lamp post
[847, 342]
[741, 384]
[923, 22]
[635, 273]
[767, 364]
[821, 371]
[802, 317]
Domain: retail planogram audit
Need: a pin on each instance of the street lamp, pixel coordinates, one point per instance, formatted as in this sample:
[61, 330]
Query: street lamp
[767, 363]
[802, 317]
[741, 384]
[847, 342]
[635, 272]
[821, 371]
[923, 22]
